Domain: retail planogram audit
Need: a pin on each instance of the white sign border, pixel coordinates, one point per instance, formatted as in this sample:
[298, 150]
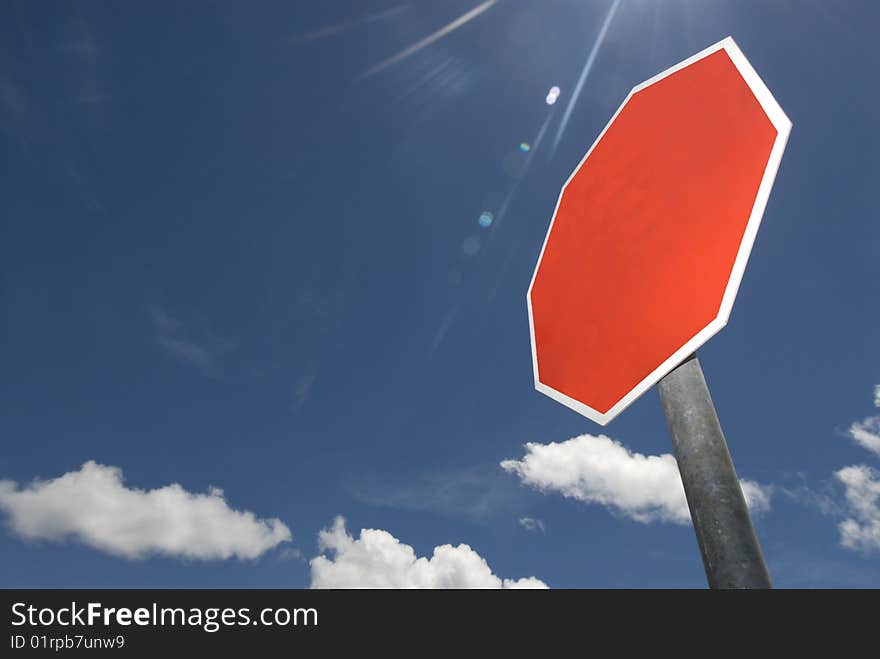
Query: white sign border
[783, 127]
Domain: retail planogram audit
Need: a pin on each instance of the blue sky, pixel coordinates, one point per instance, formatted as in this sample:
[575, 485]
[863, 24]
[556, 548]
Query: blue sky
[240, 249]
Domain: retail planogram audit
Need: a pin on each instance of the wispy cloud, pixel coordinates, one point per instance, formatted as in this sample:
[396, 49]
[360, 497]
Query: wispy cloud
[376, 559]
[203, 351]
[531, 524]
[475, 493]
[823, 497]
[85, 58]
[81, 184]
[600, 470]
[16, 113]
[95, 507]
[292, 554]
[302, 388]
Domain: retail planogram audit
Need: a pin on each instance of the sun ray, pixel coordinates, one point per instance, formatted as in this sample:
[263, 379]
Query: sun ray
[431, 38]
[338, 28]
[585, 73]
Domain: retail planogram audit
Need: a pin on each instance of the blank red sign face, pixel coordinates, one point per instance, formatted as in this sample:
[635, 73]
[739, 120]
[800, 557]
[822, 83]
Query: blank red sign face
[652, 232]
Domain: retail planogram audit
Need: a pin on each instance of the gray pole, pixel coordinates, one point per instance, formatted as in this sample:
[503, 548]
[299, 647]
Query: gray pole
[731, 553]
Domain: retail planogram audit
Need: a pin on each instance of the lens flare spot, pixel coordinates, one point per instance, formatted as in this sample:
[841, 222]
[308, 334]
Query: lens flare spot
[552, 95]
[471, 246]
[525, 147]
[486, 218]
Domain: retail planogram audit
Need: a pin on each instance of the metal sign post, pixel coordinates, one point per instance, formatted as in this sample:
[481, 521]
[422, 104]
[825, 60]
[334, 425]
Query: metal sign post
[728, 544]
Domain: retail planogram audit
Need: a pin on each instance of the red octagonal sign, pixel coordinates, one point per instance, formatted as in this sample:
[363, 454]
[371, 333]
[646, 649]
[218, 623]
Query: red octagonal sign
[652, 231]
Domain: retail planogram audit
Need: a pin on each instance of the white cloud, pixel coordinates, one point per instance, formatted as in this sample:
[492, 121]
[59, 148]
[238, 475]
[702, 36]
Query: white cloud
[861, 531]
[531, 524]
[867, 431]
[860, 512]
[757, 496]
[93, 506]
[379, 560]
[598, 469]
